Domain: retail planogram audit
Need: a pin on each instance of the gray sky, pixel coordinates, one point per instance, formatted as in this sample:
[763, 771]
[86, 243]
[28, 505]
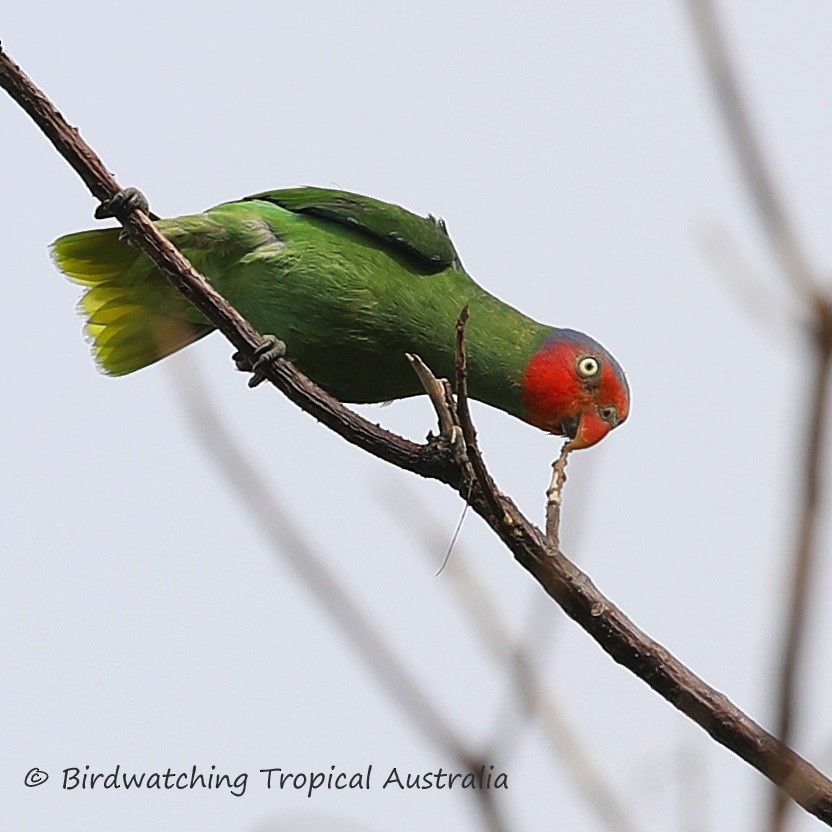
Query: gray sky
[574, 150]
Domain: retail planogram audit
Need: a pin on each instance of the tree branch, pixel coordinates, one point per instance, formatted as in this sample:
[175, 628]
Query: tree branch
[804, 554]
[526, 683]
[287, 540]
[560, 578]
[554, 496]
[796, 271]
[747, 151]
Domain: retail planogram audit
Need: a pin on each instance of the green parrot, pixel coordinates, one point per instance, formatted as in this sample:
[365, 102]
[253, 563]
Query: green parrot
[349, 284]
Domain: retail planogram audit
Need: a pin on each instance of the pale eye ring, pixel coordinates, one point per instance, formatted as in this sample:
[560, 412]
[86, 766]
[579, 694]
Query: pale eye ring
[589, 366]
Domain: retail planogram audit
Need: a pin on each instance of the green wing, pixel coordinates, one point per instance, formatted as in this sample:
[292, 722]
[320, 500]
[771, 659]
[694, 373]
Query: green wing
[424, 237]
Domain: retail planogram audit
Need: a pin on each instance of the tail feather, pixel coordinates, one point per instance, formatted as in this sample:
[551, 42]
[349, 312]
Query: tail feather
[93, 257]
[134, 317]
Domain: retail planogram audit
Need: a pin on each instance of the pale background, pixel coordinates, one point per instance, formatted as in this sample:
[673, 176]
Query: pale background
[575, 152]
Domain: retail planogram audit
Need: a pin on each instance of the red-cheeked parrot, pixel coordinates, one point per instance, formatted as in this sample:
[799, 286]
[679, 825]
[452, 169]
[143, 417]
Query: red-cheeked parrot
[350, 285]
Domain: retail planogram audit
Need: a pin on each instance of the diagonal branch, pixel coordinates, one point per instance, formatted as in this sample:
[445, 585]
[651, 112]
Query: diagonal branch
[422, 459]
[526, 682]
[560, 578]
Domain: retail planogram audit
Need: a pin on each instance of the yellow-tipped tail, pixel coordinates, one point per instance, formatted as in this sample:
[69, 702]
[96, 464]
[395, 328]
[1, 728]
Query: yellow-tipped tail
[134, 317]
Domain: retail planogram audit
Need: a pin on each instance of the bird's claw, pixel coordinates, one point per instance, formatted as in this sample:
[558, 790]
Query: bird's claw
[125, 201]
[271, 349]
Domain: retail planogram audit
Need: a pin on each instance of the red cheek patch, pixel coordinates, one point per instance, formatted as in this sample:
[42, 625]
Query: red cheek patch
[549, 390]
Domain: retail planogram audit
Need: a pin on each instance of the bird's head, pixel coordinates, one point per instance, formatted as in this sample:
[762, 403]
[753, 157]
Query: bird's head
[573, 387]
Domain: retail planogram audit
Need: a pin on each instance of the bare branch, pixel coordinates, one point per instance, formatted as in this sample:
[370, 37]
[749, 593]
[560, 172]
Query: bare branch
[554, 496]
[486, 486]
[287, 539]
[777, 315]
[804, 555]
[747, 151]
[437, 394]
[426, 460]
[564, 582]
[539, 628]
[799, 274]
[526, 682]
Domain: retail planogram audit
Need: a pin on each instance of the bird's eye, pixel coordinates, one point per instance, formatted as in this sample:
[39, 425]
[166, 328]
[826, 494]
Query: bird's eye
[609, 414]
[588, 366]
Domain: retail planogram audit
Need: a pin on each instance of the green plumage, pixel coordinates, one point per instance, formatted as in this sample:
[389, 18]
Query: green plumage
[347, 282]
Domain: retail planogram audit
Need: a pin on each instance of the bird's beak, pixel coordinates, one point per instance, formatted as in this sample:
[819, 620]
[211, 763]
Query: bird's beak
[591, 430]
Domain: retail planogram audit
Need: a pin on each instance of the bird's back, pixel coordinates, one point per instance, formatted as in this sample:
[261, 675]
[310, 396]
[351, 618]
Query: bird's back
[347, 282]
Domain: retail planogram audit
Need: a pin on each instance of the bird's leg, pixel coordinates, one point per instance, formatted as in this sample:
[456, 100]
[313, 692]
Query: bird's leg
[125, 201]
[271, 349]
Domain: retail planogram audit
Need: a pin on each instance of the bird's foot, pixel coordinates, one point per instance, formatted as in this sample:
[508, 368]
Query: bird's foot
[125, 201]
[271, 349]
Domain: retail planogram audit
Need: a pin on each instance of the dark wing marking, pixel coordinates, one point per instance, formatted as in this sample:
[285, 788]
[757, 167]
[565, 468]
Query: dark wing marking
[425, 237]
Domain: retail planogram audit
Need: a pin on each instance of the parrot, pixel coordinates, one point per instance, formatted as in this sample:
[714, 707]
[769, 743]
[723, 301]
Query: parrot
[350, 285]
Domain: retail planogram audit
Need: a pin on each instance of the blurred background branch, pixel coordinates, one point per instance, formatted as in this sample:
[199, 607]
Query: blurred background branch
[292, 545]
[797, 272]
[527, 686]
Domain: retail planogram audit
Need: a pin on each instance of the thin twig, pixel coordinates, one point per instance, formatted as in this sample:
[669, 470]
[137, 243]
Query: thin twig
[554, 496]
[564, 582]
[482, 478]
[461, 367]
[747, 151]
[775, 314]
[814, 456]
[436, 393]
